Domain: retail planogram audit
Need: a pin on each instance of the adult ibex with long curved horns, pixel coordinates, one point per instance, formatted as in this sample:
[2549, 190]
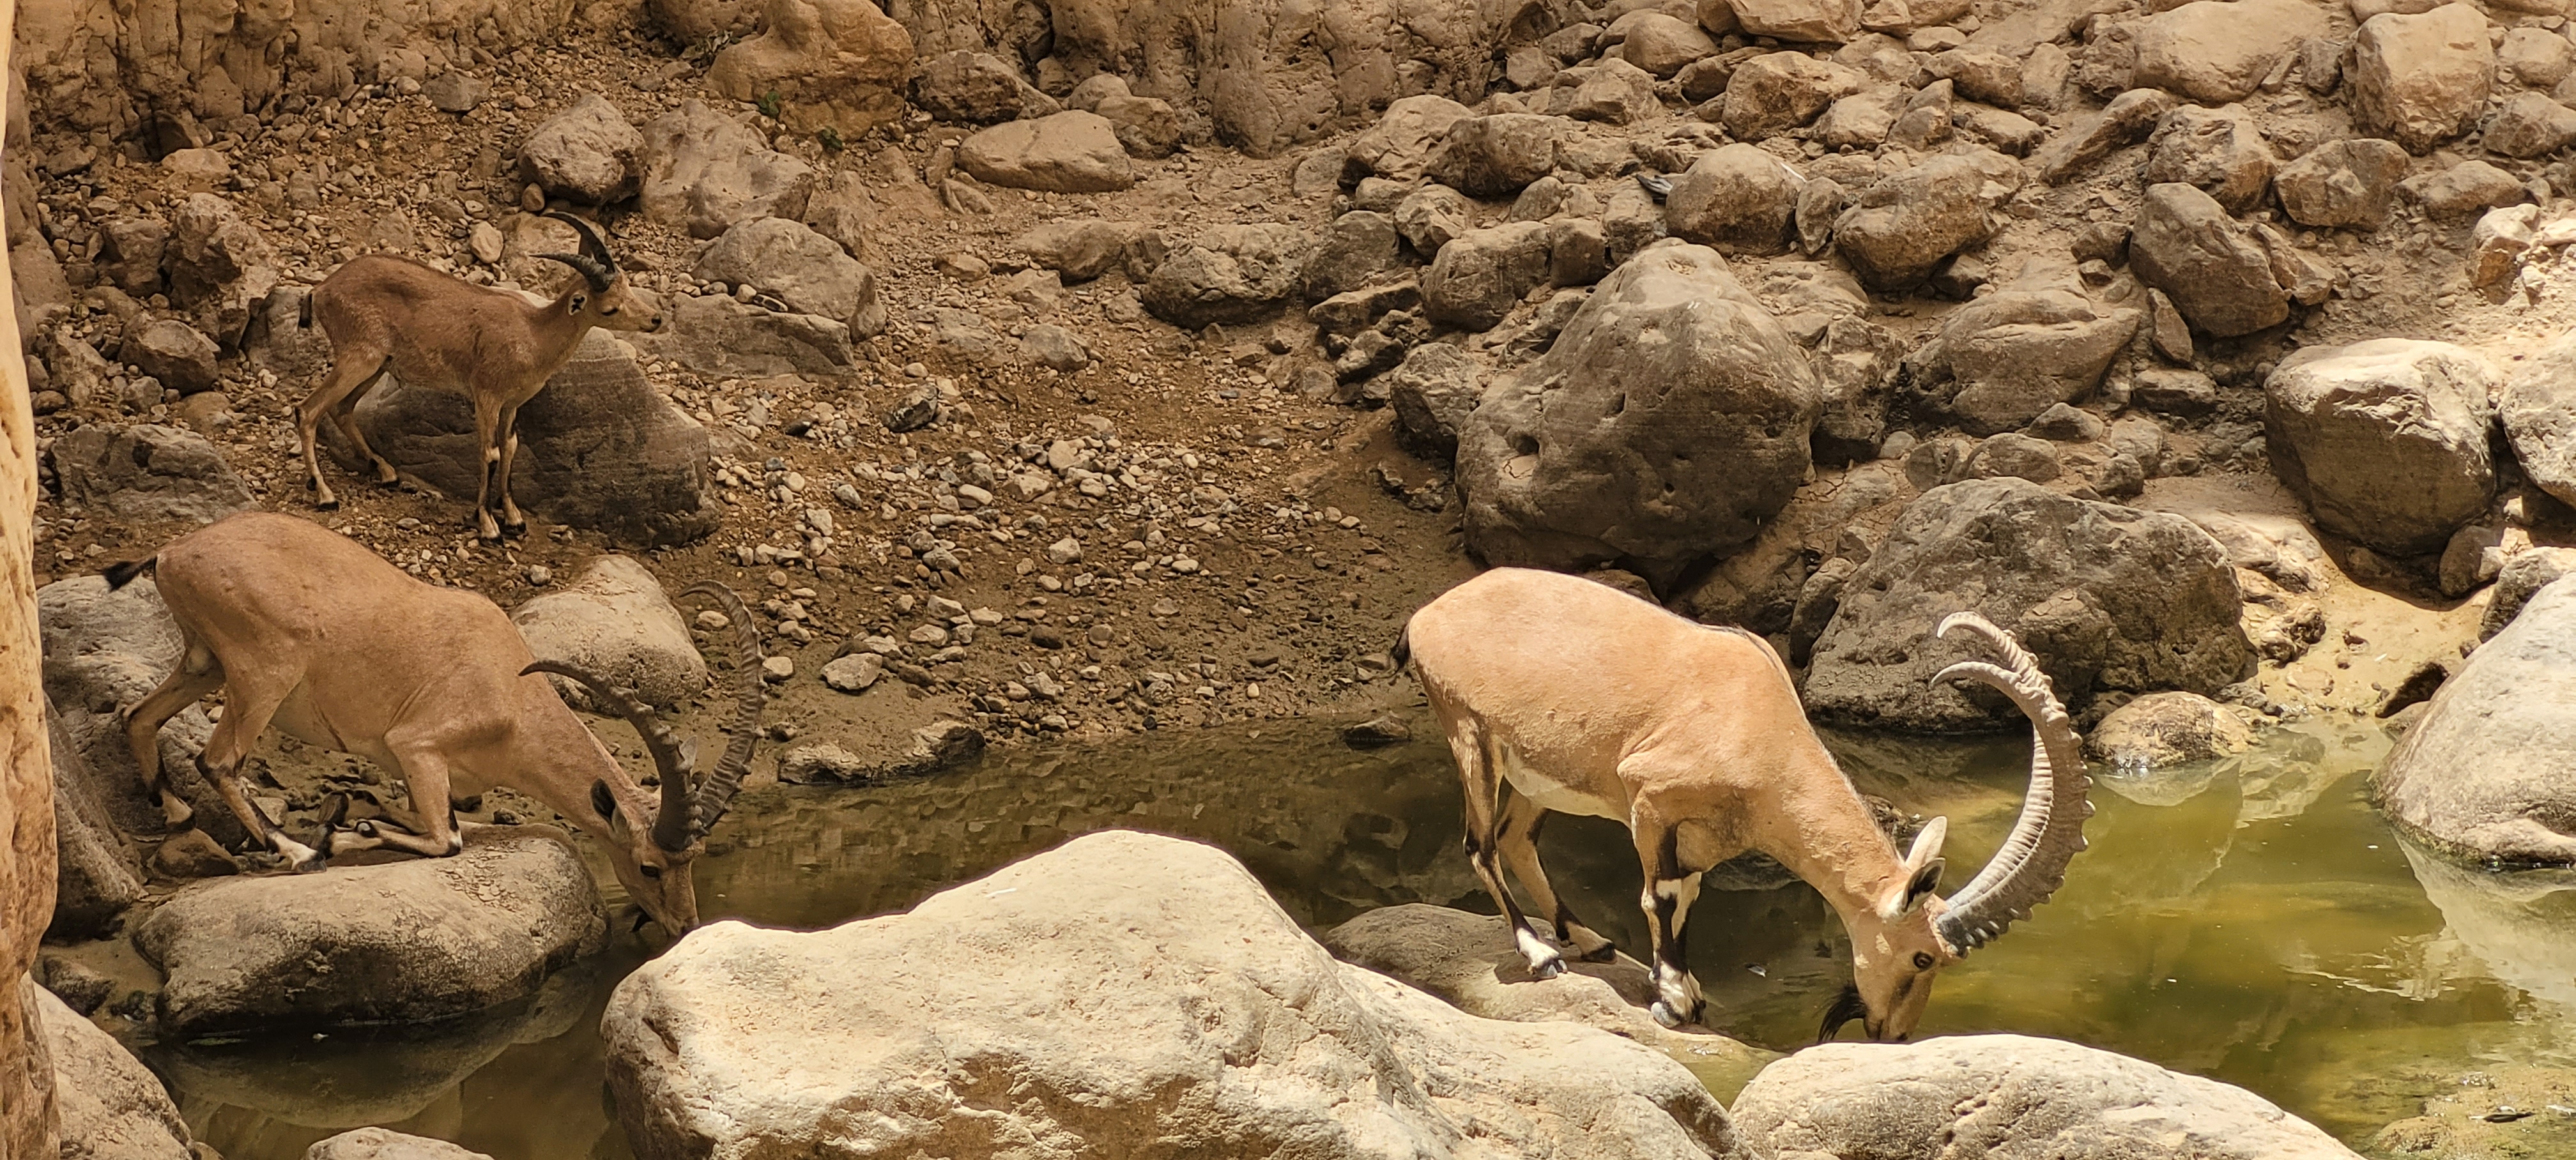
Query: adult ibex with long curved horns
[1560, 694]
[305, 628]
[495, 347]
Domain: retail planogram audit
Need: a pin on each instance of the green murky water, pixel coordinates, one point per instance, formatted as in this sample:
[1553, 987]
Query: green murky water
[2253, 921]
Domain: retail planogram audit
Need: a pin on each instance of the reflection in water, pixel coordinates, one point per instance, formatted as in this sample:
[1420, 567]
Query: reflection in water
[2253, 921]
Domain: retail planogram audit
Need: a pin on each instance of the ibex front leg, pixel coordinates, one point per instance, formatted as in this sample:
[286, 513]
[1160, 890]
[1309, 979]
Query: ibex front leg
[1670, 890]
[425, 778]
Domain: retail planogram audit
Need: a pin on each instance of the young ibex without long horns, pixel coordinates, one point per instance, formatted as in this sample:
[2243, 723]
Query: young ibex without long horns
[305, 628]
[1560, 694]
[493, 346]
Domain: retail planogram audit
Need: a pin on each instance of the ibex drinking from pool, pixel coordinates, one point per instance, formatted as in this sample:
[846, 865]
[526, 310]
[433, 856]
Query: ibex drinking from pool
[495, 347]
[1560, 694]
[306, 628]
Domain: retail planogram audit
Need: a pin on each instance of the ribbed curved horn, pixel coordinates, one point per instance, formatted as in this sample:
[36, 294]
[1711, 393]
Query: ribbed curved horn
[671, 822]
[716, 795]
[591, 272]
[593, 246]
[2032, 862]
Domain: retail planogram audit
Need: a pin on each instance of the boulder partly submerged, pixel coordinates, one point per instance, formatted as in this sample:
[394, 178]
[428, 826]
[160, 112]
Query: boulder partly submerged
[2010, 1096]
[2484, 774]
[413, 941]
[1122, 987]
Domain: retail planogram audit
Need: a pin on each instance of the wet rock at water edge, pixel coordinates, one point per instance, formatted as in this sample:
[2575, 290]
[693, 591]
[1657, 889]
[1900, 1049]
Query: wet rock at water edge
[1378, 732]
[2481, 776]
[379, 1144]
[401, 942]
[2007, 1095]
[110, 1106]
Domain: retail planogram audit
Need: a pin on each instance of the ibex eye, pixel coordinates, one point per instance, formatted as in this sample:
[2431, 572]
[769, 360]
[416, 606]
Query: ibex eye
[1922, 959]
[656, 872]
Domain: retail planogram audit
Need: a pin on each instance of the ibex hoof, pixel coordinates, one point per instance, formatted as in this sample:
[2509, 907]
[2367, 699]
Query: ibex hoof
[1600, 954]
[365, 828]
[1548, 969]
[1664, 1015]
[315, 864]
[328, 503]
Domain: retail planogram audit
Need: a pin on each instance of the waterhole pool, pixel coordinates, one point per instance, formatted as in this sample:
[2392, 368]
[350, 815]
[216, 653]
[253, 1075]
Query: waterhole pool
[2253, 921]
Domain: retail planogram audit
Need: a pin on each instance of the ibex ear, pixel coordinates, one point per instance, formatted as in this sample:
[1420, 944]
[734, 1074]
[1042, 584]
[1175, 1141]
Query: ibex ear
[1922, 866]
[601, 802]
[578, 301]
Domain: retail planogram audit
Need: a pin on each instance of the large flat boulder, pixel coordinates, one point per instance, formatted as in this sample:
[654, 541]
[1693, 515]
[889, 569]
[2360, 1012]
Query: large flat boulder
[1229, 274]
[2001, 360]
[2107, 597]
[2484, 775]
[1668, 421]
[2387, 438]
[1070, 152]
[714, 335]
[599, 448]
[412, 941]
[1123, 987]
[2010, 1096]
[703, 171]
[809, 273]
[2216, 51]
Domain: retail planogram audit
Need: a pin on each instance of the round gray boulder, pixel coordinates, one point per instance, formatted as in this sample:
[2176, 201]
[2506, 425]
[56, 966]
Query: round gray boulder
[2484, 774]
[2388, 438]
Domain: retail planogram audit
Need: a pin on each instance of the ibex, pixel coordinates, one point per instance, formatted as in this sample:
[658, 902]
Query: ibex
[1560, 694]
[493, 346]
[308, 629]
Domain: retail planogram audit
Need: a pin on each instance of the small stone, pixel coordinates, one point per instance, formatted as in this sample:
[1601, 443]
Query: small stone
[455, 92]
[1377, 732]
[775, 669]
[539, 576]
[855, 672]
[919, 409]
[714, 621]
[1065, 551]
[929, 635]
[485, 241]
[191, 854]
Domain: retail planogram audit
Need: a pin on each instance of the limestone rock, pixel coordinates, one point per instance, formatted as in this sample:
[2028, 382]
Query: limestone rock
[1659, 42]
[2219, 277]
[112, 1107]
[2016, 353]
[1780, 91]
[587, 153]
[1494, 156]
[1430, 216]
[1070, 152]
[2482, 775]
[1668, 421]
[1614, 91]
[2536, 56]
[172, 351]
[1798, 21]
[1433, 392]
[1079, 249]
[2530, 125]
[2387, 438]
[2128, 119]
[220, 266]
[1147, 127]
[2107, 597]
[2219, 150]
[811, 273]
[2162, 729]
[2538, 406]
[2342, 183]
[2469, 187]
[2216, 51]
[1907, 223]
[1481, 274]
[979, 89]
[716, 336]
[1140, 966]
[147, 472]
[2521, 578]
[705, 172]
[2421, 79]
[2011, 1095]
[616, 623]
[1737, 198]
[832, 63]
[401, 942]
[598, 448]
[379, 1144]
[1400, 145]
[1229, 274]
[1355, 249]
[1053, 346]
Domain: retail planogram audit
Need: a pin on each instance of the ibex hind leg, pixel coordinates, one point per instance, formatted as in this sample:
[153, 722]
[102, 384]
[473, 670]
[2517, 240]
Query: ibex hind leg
[1670, 890]
[1521, 821]
[1481, 778]
[246, 716]
[345, 417]
[351, 369]
[196, 676]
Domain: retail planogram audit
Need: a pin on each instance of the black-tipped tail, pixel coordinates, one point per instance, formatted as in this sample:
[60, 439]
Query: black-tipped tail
[123, 572]
[1403, 650]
